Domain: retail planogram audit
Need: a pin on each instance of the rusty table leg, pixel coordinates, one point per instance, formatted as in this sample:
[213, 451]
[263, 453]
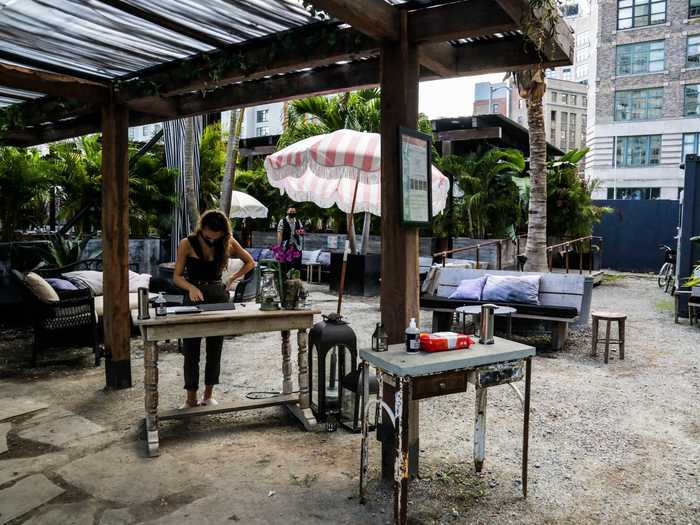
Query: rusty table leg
[480, 429]
[526, 421]
[364, 467]
[402, 406]
[150, 382]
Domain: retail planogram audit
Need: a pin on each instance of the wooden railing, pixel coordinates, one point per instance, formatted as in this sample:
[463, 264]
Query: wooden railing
[477, 247]
[566, 246]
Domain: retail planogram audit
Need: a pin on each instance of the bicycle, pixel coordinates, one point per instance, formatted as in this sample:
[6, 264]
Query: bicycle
[667, 273]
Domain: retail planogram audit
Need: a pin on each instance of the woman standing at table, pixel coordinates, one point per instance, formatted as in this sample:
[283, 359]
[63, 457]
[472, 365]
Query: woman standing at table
[204, 256]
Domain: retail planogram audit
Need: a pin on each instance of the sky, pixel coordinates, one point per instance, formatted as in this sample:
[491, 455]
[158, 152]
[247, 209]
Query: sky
[452, 97]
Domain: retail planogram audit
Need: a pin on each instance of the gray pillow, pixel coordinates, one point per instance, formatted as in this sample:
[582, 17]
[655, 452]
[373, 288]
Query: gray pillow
[523, 289]
[469, 289]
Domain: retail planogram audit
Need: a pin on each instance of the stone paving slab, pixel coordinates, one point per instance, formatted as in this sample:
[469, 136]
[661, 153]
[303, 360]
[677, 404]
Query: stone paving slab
[61, 431]
[26, 495]
[122, 474]
[82, 513]
[13, 407]
[4, 430]
[117, 517]
[12, 469]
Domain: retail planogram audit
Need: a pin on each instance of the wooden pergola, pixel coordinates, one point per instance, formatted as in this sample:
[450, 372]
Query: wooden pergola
[74, 67]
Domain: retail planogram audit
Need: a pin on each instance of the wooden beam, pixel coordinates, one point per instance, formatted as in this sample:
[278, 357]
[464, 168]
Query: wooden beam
[51, 67]
[560, 47]
[470, 134]
[441, 58]
[499, 55]
[115, 244]
[323, 44]
[457, 20]
[19, 77]
[165, 22]
[374, 18]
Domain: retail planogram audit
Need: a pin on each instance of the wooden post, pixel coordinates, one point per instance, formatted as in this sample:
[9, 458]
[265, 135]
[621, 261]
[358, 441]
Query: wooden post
[115, 244]
[399, 107]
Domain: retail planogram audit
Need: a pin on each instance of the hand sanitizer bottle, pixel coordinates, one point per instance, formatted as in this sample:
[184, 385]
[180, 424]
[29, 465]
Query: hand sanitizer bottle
[412, 341]
[160, 305]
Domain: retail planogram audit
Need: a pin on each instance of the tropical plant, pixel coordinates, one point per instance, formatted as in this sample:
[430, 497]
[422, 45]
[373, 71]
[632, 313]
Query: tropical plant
[23, 189]
[191, 197]
[570, 209]
[490, 206]
[212, 156]
[151, 197]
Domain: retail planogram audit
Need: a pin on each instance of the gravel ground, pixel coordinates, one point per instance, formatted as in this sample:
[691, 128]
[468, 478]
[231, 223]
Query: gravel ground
[616, 443]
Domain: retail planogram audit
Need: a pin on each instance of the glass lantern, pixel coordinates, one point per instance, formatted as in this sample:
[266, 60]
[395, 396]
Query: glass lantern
[380, 339]
[352, 402]
[268, 294]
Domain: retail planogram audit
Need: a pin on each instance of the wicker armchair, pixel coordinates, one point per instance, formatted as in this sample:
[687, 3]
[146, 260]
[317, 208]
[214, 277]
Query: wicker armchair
[85, 264]
[69, 322]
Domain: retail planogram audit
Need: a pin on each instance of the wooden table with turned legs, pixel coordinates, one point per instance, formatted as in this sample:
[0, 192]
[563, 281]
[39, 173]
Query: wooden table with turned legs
[246, 319]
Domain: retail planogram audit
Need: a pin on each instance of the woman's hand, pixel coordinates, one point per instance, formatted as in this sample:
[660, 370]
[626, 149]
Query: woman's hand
[196, 295]
[231, 285]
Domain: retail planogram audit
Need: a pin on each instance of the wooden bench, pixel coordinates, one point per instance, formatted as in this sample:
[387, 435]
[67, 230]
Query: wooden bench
[561, 296]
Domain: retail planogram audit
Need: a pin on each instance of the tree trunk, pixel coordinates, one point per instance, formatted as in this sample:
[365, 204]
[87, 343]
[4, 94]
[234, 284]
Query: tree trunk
[536, 251]
[190, 195]
[234, 135]
[365, 232]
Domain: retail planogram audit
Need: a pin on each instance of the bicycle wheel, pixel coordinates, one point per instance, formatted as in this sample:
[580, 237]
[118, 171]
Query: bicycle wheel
[663, 275]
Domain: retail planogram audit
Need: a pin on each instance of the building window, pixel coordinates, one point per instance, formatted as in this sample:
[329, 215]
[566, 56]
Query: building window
[635, 194]
[554, 96]
[262, 131]
[553, 116]
[694, 8]
[564, 127]
[564, 98]
[644, 57]
[572, 130]
[584, 101]
[690, 144]
[131, 133]
[691, 104]
[262, 115]
[693, 50]
[640, 13]
[582, 72]
[642, 150]
[639, 104]
[494, 108]
[584, 127]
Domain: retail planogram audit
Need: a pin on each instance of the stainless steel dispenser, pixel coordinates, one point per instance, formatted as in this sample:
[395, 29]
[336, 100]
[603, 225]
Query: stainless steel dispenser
[487, 324]
[143, 303]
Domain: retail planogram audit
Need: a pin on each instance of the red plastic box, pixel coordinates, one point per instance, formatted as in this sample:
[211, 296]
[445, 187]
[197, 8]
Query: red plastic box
[442, 341]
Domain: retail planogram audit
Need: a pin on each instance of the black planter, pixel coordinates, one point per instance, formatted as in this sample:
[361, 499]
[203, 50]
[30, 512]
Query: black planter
[559, 260]
[361, 275]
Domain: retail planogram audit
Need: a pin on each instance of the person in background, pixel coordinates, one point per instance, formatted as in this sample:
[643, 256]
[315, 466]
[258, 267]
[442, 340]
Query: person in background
[205, 255]
[290, 234]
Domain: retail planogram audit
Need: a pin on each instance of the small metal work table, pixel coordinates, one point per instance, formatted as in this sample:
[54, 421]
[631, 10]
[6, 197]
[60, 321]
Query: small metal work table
[475, 310]
[246, 319]
[310, 271]
[423, 375]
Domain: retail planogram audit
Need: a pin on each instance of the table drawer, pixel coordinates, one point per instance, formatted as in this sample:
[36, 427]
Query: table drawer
[499, 374]
[438, 385]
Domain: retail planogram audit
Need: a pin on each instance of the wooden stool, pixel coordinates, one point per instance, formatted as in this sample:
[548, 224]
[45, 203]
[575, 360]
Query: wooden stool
[609, 317]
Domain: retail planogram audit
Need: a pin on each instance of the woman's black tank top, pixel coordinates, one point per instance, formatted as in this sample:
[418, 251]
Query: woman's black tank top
[198, 268]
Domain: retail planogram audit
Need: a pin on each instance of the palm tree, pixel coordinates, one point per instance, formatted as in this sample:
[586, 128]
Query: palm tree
[531, 87]
[234, 135]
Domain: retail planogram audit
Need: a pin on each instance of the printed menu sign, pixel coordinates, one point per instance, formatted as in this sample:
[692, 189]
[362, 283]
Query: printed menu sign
[415, 177]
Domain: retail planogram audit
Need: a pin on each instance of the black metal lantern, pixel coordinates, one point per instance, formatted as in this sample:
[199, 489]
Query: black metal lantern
[352, 400]
[333, 352]
[380, 339]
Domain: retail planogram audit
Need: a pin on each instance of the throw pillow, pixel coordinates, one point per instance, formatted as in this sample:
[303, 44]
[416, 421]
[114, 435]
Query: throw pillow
[87, 279]
[324, 258]
[512, 289]
[469, 289]
[61, 284]
[40, 288]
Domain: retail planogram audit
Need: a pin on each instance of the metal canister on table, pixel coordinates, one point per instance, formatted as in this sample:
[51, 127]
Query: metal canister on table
[143, 303]
[487, 324]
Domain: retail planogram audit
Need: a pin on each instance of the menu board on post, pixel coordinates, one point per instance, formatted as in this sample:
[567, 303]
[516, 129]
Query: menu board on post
[416, 183]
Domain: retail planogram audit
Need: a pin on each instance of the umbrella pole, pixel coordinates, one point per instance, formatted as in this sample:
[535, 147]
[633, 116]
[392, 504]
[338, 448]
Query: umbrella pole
[341, 287]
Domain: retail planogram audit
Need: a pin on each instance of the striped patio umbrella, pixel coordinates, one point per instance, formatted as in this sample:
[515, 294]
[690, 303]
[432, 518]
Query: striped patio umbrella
[326, 169]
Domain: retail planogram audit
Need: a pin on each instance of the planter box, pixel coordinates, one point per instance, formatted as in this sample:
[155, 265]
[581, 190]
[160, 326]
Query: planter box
[559, 260]
[361, 275]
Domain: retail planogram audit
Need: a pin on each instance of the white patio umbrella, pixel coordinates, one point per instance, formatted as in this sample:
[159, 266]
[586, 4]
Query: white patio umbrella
[245, 206]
